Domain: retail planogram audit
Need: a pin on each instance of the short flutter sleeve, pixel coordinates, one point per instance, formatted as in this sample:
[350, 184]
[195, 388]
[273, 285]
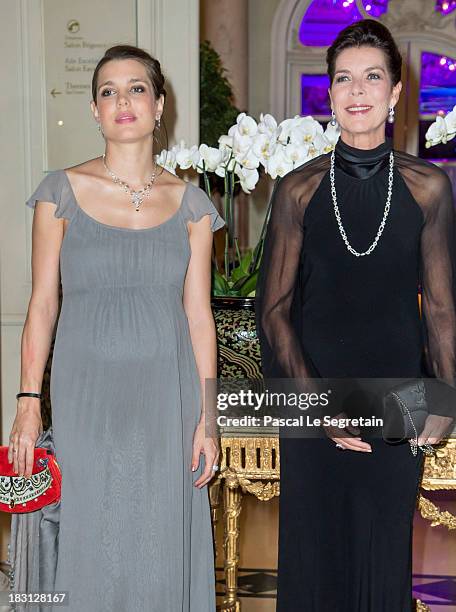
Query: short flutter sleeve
[197, 204]
[55, 188]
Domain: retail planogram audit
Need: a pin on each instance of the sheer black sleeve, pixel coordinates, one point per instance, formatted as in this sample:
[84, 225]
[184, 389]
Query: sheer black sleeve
[282, 351]
[432, 190]
[438, 278]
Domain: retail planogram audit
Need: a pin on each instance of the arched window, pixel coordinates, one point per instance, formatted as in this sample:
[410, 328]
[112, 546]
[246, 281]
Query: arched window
[324, 19]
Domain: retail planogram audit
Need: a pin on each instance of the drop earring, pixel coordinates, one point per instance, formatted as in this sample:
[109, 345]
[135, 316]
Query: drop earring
[391, 115]
[100, 129]
[158, 122]
[333, 121]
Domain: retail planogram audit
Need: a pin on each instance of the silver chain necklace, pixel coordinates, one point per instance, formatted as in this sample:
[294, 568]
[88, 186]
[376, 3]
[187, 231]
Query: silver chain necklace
[137, 197]
[385, 214]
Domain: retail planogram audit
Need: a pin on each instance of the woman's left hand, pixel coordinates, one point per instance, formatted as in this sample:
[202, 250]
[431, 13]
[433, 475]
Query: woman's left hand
[207, 446]
[435, 429]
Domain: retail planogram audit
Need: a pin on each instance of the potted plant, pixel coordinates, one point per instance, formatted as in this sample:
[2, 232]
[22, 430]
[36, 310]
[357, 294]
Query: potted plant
[249, 147]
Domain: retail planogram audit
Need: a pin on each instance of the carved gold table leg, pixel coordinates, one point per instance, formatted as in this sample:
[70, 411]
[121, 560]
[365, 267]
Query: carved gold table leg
[214, 499]
[421, 607]
[232, 501]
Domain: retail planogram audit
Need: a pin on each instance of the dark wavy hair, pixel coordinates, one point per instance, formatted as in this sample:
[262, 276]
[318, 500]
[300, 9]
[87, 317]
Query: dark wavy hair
[370, 33]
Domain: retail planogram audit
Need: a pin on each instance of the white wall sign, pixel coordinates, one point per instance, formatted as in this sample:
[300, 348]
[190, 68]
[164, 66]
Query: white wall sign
[76, 35]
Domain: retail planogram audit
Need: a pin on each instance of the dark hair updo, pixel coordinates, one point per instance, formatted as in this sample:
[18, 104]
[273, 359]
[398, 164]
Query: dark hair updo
[371, 33]
[122, 52]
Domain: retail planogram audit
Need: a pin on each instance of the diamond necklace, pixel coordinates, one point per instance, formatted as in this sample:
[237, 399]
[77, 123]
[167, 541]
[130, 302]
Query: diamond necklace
[385, 214]
[137, 197]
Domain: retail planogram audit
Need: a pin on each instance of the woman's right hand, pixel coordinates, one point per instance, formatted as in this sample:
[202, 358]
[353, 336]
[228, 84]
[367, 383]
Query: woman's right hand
[26, 429]
[339, 436]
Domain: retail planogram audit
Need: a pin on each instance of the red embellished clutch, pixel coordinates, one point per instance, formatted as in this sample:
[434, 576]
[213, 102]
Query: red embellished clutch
[20, 494]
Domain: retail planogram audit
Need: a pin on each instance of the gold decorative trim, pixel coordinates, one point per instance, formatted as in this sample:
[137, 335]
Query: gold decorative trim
[263, 491]
[432, 513]
[232, 498]
[214, 497]
[440, 469]
[252, 458]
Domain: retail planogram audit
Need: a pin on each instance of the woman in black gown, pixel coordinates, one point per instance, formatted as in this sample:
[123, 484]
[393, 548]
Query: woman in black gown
[346, 511]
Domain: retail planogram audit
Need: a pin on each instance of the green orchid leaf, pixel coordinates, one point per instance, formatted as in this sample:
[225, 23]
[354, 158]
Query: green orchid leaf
[246, 284]
[249, 285]
[238, 273]
[246, 259]
[219, 284]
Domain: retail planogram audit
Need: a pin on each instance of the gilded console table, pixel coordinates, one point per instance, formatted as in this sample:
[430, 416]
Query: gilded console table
[252, 465]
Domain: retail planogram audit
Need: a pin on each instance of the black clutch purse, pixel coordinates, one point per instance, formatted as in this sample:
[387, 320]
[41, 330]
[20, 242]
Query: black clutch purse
[405, 412]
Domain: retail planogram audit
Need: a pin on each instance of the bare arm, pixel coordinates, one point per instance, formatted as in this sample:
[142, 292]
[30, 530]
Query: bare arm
[197, 291]
[47, 236]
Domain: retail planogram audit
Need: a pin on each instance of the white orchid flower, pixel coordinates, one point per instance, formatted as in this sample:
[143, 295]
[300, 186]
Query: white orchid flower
[241, 144]
[226, 150]
[232, 163]
[225, 142]
[296, 154]
[324, 146]
[227, 164]
[436, 133]
[210, 156]
[226, 154]
[267, 125]
[246, 125]
[279, 148]
[232, 131]
[332, 134]
[248, 178]
[310, 123]
[167, 159]
[306, 130]
[299, 136]
[286, 127]
[188, 158]
[221, 170]
[278, 165]
[450, 121]
[264, 146]
[320, 145]
[248, 159]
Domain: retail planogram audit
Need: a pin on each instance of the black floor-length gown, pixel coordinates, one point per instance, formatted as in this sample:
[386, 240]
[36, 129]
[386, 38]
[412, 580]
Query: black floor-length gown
[346, 517]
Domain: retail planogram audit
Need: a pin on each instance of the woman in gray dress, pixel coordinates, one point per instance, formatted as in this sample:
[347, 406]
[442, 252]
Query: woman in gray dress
[135, 342]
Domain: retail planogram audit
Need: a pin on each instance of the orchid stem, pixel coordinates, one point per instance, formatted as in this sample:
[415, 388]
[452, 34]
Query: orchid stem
[259, 247]
[227, 219]
[232, 208]
[238, 252]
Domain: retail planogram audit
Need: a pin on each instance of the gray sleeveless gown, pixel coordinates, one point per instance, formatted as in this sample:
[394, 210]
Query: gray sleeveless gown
[135, 534]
